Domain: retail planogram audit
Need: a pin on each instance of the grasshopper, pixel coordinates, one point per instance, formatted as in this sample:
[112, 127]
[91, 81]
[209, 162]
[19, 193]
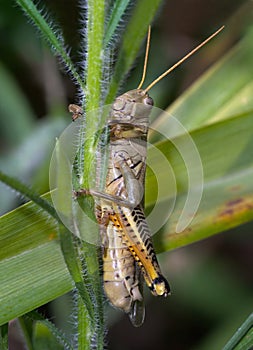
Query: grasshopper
[128, 250]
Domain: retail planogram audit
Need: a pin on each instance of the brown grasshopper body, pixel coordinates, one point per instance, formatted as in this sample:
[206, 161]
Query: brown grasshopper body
[126, 238]
[121, 206]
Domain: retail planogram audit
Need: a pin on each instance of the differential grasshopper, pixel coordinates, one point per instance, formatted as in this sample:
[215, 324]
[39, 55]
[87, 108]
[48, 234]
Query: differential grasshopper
[128, 250]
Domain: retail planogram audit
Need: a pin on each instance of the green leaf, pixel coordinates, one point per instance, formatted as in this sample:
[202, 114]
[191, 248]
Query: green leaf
[31, 261]
[246, 342]
[18, 119]
[134, 34]
[28, 159]
[217, 111]
[52, 35]
[243, 337]
[223, 91]
[226, 153]
[41, 333]
[29, 193]
[119, 7]
[44, 339]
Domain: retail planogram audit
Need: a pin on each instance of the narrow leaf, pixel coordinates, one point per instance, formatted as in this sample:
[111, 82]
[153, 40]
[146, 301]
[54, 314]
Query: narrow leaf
[54, 336]
[226, 153]
[224, 90]
[31, 260]
[53, 36]
[243, 338]
[119, 7]
[24, 190]
[18, 119]
[135, 32]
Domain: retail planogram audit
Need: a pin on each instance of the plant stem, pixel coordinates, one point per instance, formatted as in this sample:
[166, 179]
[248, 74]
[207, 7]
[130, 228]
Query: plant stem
[95, 35]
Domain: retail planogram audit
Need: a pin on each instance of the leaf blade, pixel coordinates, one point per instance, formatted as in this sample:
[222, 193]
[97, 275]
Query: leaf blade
[31, 260]
[228, 190]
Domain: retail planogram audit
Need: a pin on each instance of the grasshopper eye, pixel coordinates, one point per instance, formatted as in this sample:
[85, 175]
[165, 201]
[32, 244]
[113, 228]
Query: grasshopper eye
[149, 101]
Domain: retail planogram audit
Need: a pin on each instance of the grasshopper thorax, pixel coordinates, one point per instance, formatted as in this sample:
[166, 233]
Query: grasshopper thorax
[132, 109]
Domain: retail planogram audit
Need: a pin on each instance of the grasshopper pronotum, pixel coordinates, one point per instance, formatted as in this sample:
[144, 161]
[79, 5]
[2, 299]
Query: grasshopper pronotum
[128, 249]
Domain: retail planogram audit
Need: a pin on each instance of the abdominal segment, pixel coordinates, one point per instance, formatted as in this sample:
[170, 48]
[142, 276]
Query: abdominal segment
[120, 273]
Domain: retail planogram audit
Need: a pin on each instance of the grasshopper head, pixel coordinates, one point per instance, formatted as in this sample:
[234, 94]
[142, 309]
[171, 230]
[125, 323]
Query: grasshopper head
[133, 107]
[137, 96]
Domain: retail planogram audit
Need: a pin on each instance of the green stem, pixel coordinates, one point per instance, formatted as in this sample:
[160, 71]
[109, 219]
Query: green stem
[92, 259]
[83, 265]
[73, 261]
[84, 330]
[95, 35]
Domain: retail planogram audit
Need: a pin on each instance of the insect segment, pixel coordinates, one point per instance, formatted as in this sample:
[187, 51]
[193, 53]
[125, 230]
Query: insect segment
[126, 238]
[122, 279]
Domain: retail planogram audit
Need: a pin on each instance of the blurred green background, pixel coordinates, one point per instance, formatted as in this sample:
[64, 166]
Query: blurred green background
[211, 280]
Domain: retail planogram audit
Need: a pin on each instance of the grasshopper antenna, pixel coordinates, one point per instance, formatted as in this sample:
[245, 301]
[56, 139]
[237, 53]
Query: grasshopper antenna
[182, 60]
[146, 59]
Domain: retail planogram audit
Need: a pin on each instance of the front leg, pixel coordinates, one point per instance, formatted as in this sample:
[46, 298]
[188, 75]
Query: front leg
[105, 196]
[134, 187]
